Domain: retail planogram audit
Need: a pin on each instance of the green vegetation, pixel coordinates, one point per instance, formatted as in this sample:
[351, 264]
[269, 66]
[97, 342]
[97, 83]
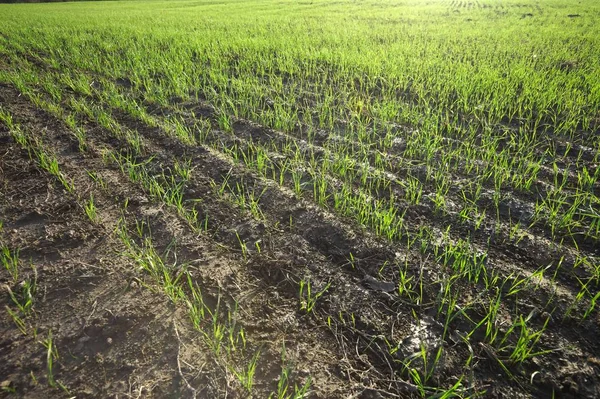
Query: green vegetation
[463, 135]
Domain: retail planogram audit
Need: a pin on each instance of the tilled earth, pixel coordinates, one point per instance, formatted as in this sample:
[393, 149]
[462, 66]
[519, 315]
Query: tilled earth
[117, 334]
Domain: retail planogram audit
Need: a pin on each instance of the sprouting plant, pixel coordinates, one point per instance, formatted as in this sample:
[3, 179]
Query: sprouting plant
[248, 199]
[243, 246]
[308, 299]
[49, 163]
[181, 130]
[10, 261]
[296, 178]
[351, 260]
[246, 375]
[7, 119]
[148, 259]
[405, 282]
[90, 209]
[224, 121]
[24, 297]
[526, 343]
[215, 335]
[97, 179]
[51, 357]
[284, 390]
[183, 169]
[414, 190]
[592, 305]
[415, 376]
[18, 320]
[195, 303]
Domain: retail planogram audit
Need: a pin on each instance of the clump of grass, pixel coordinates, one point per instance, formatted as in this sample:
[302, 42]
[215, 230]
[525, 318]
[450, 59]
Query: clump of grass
[10, 260]
[284, 388]
[51, 357]
[23, 296]
[91, 210]
[308, 298]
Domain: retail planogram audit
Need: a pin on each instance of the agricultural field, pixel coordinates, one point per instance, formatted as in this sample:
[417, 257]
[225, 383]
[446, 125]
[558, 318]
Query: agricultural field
[300, 199]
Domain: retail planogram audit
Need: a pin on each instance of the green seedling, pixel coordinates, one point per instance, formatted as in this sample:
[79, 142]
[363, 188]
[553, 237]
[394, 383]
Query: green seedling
[90, 210]
[308, 299]
[10, 261]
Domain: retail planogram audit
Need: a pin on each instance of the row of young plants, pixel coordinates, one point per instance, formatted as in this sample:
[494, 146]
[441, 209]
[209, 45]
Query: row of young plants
[163, 81]
[185, 173]
[22, 288]
[558, 209]
[369, 180]
[261, 161]
[516, 164]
